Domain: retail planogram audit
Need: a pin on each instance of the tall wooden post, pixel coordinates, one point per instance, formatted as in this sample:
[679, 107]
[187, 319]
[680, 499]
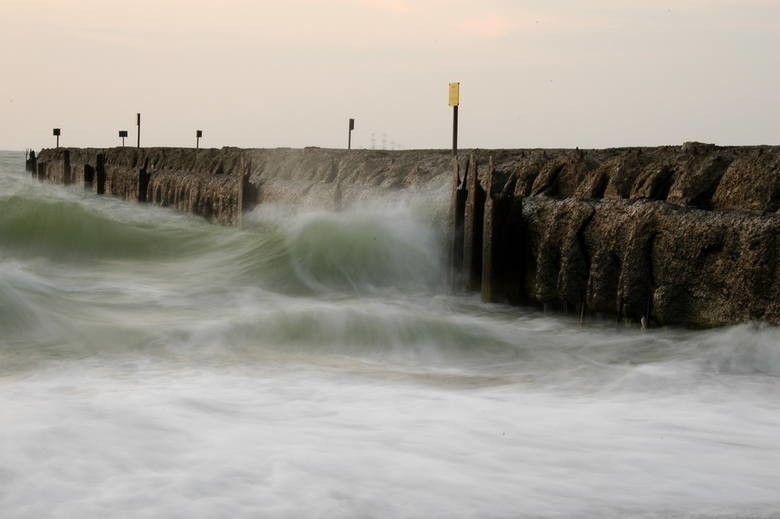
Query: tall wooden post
[100, 173]
[32, 164]
[89, 177]
[143, 181]
[457, 210]
[472, 229]
[502, 244]
[242, 197]
[66, 169]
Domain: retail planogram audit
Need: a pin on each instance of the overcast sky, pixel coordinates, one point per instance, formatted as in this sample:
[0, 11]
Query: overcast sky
[534, 73]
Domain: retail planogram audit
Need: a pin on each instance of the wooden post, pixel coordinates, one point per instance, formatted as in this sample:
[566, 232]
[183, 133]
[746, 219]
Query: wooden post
[66, 170]
[243, 190]
[143, 181]
[472, 230]
[100, 172]
[491, 223]
[512, 267]
[41, 171]
[89, 177]
[32, 164]
[457, 210]
[502, 262]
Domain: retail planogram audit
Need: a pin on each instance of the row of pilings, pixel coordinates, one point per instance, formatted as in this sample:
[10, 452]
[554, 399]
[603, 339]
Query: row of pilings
[487, 246]
[491, 251]
[495, 253]
[143, 183]
[94, 176]
[524, 233]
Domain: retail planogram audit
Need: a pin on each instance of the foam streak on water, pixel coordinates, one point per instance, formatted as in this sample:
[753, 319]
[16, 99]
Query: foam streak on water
[314, 364]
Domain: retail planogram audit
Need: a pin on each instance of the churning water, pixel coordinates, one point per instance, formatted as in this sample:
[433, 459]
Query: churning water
[313, 364]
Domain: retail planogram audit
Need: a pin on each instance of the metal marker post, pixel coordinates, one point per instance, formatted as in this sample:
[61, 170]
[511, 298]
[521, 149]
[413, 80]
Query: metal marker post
[56, 133]
[138, 122]
[123, 134]
[455, 130]
[198, 135]
[349, 134]
[454, 102]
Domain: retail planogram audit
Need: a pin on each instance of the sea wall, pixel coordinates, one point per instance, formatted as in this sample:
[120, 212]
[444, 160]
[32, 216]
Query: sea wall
[197, 183]
[677, 235]
[220, 184]
[684, 235]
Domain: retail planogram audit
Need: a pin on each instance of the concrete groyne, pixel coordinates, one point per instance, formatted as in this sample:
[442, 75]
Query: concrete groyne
[678, 235]
[220, 184]
[683, 235]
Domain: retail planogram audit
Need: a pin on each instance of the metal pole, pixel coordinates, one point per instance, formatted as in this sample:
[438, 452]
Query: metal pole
[58, 141]
[349, 133]
[138, 122]
[455, 130]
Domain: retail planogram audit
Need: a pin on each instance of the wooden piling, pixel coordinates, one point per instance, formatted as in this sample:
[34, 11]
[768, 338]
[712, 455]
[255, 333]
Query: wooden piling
[502, 260]
[472, 228]
[457, 214]
[31, 164]
[66, 168]
[490, 239]
[100, 173]
[89, 177]
[143, 181]
[242, 200]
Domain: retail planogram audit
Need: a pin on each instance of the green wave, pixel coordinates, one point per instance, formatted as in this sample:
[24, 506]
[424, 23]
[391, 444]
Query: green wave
[65, 231]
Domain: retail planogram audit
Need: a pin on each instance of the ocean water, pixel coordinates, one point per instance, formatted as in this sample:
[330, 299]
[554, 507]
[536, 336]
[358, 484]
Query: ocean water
[315, 364]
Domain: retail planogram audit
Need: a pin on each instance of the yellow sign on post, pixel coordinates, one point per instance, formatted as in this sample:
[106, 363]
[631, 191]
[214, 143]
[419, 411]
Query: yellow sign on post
[454, 94]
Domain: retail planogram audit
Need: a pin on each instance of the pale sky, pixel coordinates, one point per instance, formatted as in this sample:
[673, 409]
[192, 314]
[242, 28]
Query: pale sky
[533, 73]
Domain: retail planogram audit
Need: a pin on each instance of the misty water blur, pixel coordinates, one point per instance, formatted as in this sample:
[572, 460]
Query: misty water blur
[316, 364]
